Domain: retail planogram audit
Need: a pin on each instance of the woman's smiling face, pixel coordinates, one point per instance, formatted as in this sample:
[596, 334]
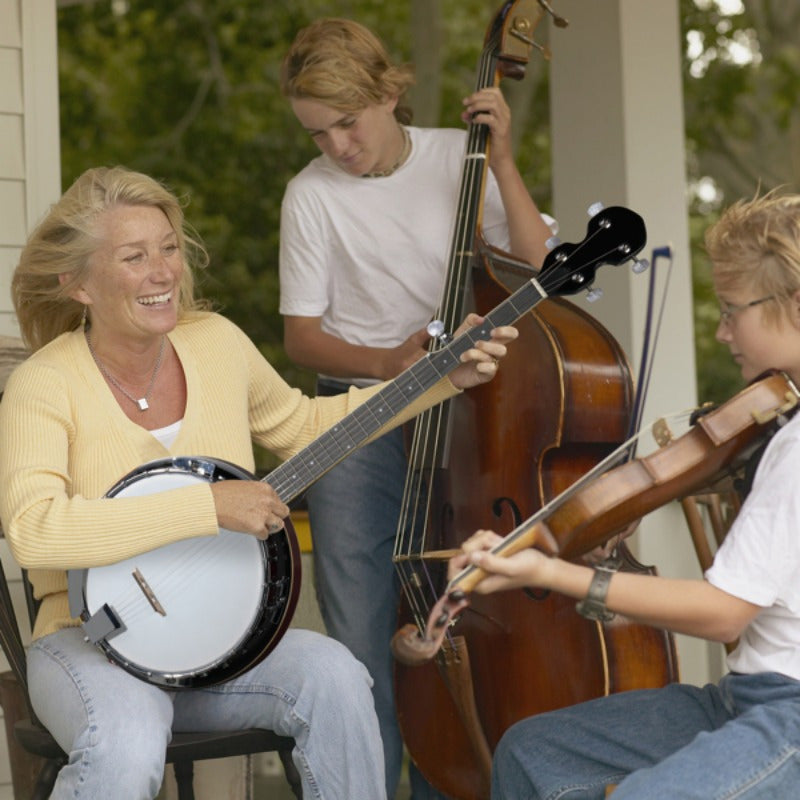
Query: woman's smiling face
[132, 288]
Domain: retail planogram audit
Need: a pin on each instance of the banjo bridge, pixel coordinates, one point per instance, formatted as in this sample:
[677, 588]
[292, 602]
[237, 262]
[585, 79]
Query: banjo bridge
[148, 592]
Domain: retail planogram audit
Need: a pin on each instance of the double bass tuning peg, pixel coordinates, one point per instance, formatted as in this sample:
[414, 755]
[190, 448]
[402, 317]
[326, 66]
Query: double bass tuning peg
[519, 31]
[522, 29]
[558, 21]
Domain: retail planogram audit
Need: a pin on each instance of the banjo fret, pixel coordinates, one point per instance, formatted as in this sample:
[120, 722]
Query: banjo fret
[295, 475]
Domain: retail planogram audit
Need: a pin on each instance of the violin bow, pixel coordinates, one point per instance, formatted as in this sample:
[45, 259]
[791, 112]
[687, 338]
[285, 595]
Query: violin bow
[647, 359]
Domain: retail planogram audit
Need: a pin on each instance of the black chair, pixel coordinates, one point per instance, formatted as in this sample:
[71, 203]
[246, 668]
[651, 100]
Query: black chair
[182, 752]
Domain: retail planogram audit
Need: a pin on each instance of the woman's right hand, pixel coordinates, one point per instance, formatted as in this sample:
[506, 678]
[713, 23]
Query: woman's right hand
[249, 507]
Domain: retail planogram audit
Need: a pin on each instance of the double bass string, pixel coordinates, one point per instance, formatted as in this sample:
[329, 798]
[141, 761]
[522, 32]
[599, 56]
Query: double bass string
[413, 564]
[429, 446]
[429, 449]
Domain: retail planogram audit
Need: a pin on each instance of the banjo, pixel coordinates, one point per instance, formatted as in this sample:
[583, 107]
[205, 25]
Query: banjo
[205, 609]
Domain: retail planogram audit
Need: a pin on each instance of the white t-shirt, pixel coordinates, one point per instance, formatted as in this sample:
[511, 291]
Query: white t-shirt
[759, 560]
[369, 255]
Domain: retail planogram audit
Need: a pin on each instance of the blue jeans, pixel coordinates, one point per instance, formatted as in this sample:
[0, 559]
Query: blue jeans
[739, 739]
[115, 727]
[353, 512]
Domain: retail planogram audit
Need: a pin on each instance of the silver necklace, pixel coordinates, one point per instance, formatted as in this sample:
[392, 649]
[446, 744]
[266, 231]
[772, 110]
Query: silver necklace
[142, 401]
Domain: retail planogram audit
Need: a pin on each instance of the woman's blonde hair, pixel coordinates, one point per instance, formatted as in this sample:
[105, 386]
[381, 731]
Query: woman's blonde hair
[345, 66]
[755, 247]
[64, 241]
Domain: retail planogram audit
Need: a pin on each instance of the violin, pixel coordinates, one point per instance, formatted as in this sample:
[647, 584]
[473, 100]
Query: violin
[604, 503]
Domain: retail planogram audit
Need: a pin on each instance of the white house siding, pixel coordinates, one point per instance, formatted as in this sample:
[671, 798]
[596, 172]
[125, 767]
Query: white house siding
[29, 178]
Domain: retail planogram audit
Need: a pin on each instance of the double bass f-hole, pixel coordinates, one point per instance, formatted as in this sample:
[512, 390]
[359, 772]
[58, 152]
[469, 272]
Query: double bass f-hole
[498, 505]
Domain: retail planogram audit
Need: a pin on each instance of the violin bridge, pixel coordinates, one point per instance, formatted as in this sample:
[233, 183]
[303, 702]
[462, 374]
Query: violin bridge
[662, 433]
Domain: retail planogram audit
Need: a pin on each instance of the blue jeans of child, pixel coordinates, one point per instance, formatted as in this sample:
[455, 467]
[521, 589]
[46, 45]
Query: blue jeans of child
[116, 727]
[739, 739]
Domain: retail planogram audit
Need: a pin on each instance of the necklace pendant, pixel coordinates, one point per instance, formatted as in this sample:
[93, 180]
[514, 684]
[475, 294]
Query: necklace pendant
[143, 404]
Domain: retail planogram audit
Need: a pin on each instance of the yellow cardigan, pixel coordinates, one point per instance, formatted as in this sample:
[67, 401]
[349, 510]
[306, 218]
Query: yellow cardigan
[64, 441]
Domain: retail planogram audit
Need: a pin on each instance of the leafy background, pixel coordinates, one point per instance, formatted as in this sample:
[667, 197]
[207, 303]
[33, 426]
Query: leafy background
[187, 91]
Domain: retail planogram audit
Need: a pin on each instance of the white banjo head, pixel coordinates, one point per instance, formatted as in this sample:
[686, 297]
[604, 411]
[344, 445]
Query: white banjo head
[191, 609]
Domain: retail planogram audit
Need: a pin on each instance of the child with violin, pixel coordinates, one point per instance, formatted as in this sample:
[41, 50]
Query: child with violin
[741, 737]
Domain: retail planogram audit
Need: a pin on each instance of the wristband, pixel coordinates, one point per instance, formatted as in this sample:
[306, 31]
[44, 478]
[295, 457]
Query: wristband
[593, 606]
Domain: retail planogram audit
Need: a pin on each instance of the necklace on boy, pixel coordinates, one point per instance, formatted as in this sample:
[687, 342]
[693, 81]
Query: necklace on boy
[142, 401]
[401, 159]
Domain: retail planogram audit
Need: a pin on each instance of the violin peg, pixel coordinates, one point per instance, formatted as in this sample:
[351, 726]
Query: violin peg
[640, 265]
[594, 209]
[594, 294]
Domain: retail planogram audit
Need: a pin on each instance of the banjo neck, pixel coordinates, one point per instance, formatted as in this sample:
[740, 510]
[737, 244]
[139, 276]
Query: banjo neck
[297, 473]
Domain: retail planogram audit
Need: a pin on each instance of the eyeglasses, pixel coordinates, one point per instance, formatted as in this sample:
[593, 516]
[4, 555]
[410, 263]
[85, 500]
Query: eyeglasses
[728, 310]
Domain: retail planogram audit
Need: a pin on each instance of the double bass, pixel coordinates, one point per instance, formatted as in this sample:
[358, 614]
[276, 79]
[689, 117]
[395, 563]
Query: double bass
[562, 402]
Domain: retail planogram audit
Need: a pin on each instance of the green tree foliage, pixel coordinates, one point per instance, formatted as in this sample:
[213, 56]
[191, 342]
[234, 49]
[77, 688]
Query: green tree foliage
[741, 83]
[187, 91]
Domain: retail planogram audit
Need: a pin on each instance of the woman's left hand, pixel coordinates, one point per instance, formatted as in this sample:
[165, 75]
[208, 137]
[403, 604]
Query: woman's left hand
[480, 363]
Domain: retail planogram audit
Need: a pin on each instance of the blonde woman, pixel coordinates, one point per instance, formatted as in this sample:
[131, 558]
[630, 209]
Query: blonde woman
[127, 368]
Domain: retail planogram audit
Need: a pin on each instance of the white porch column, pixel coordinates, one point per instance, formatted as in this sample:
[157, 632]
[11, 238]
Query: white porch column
[618, 138]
